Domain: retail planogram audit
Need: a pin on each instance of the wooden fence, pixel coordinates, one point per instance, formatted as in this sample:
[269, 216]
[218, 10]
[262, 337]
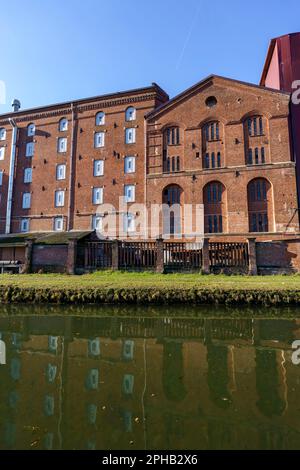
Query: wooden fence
[228, 255]
[174, 256]
[137, 255]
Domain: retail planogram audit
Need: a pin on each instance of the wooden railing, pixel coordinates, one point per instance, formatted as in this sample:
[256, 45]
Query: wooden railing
[98, 255]
[228, 255]
[172, 255]
[137, 255]
[182, 256]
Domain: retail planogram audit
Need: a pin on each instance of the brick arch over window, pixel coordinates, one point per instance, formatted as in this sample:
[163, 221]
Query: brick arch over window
[172, 220]
[260, 205]
[214, 199]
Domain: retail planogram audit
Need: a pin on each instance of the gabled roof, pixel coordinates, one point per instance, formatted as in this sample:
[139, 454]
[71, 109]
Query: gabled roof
[183, 95]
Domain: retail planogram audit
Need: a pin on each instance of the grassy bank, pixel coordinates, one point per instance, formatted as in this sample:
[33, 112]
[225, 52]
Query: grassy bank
[149, 288]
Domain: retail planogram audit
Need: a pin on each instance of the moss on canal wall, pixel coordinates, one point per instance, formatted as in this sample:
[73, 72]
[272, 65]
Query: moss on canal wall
[150, 296]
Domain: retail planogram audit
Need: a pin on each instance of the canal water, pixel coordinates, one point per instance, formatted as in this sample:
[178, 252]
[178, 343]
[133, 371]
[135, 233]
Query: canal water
[157, 378]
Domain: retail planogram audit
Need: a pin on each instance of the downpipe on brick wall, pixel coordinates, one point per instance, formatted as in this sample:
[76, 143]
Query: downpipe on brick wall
[11, 175]
[69, 226]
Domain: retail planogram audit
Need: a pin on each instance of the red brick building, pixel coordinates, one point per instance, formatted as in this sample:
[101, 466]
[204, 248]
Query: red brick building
[229, 145]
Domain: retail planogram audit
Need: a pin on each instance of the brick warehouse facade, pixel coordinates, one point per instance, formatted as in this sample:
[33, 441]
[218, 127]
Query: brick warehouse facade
[227, 144]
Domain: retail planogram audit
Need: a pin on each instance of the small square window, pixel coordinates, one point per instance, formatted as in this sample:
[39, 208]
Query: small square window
[58, 224]
[97, 222]
[98, 167]
[129, 165]
[25, 225]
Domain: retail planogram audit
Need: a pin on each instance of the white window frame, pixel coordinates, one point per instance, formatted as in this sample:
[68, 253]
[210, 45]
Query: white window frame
[62, 145]
[129, 223]
[24, 226]
[59, 198]
[61, 167]
[130, 114]
[30, 149]
[99, 139]
[131, 140]
[63, 125]
[28, 175]
[26, 201]
[2, 133]
[2, 153]
[97, 222]
[57, 221]
[100, 118]
[97, 200]
[98, 167]
[128, 159]
[1, 177]
[31, 130]
[129, 188]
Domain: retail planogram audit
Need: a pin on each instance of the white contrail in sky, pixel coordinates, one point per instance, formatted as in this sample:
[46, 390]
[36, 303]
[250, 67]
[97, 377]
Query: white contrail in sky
[188, 36]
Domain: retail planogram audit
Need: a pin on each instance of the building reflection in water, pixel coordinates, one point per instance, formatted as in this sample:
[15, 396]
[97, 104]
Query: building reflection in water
[122, 383]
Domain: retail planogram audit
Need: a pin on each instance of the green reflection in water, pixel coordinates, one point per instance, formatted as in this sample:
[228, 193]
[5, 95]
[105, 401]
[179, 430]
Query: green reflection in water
[136, 378]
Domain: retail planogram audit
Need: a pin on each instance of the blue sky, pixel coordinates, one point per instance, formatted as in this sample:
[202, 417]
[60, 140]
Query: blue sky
[58, 50]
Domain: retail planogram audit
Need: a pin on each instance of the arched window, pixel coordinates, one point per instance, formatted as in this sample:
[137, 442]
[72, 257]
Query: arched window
[31, 130]
[213, 197]
[2, 133]
[63, 125]
[212, 131]
[259, 209]
[100, 118]
[130, 114]
[255, 126]
[171, 137]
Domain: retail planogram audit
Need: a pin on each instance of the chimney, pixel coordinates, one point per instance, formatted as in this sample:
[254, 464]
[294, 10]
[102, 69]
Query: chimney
[16, 105]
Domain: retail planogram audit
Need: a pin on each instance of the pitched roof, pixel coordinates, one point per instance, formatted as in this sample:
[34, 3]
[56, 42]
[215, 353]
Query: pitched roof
[200, 84]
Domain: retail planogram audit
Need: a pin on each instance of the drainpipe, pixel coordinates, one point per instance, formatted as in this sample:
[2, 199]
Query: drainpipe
[71, 172]
[11, 175]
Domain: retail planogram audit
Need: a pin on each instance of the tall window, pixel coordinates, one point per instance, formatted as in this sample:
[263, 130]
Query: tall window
[29, 149]
[31, 130]
[62, 145]
[58, 224]
[1, 177]
[258, 205]
[99, 139]
[129, 192]
[212, 131]
[172, 196]
[130, 135]
[213, 207]
[98, 167]
[63, 125]
[255, 126]
[59, 198]
[26, 202]
[130, 114]
[24, 225]
[2, 153]
[28, 175]
[61, 172]
[2, 133]
[129, 165]
[97, 222]
[97, 195]
[100, 119]
[129, 223]
[173, 136]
